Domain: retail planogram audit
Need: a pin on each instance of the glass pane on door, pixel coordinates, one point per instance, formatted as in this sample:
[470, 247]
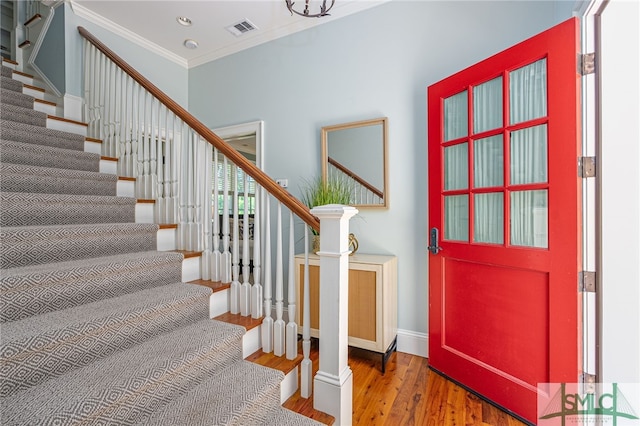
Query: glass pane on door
[529, 155]
[456, 217]
[487, 105]
[456, 120]
[488, 218]
[456, 167]
[488, 162]
[529, 218]
[528, 92]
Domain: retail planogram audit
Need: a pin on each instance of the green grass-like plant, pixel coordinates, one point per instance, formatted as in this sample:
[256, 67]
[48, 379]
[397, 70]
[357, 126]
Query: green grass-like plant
[317, 192]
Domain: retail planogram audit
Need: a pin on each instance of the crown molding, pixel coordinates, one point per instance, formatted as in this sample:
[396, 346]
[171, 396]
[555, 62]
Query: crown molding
[99, 20]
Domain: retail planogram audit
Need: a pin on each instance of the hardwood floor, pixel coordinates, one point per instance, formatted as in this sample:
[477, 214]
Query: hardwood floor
[407, 394]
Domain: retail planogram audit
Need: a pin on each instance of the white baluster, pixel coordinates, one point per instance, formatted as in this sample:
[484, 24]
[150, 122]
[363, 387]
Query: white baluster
[245, 290]
[182, 190]
[279, 325]
[225, 258]
[199, 163]
[235, 284]
[292, 327]
[215, 250]
[306, 370]
[207, 206]
[256, 289]
[267, 322]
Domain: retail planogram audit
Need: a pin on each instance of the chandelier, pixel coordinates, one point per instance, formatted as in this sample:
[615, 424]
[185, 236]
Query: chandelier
[324, 10]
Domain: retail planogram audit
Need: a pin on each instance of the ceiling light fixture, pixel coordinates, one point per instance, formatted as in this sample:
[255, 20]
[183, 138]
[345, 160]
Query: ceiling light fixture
[190, 44]
[183, 20]
[324, 10]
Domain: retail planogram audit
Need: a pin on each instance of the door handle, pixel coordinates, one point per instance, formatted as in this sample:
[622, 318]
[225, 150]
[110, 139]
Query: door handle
[434, 239]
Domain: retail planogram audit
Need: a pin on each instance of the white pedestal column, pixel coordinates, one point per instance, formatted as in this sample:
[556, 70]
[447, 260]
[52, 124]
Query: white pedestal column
[333, 383]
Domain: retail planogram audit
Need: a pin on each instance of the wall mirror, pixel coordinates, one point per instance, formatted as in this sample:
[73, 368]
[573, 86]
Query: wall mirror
[356, 153]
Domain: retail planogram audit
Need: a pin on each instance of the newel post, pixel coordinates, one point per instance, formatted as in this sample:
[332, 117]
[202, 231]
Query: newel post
[333, 383]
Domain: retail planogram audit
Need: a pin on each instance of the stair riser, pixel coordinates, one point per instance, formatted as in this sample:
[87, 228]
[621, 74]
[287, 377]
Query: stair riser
[23, 79]
[109, 167]
[45, 107]
[219, 303]
[65, 126]
[37, 94]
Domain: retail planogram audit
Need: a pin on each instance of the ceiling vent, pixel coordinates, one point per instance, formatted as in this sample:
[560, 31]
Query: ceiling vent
[241, 28]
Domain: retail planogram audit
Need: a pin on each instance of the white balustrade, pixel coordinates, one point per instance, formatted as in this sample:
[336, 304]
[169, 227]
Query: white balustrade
[175, 166]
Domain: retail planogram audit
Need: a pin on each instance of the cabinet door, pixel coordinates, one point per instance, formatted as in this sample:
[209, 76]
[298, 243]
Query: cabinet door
[365, 303]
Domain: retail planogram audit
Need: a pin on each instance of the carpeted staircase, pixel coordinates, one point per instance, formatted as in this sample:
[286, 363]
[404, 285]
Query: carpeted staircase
[96, 325]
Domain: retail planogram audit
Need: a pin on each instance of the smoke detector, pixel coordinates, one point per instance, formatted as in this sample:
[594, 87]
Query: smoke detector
[190, 43]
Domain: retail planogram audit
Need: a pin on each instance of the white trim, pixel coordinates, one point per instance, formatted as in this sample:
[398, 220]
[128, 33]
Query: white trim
[414, 343]
[588, 13]
[73, 107]
[36, 49]
[256, 127]
[130, 36]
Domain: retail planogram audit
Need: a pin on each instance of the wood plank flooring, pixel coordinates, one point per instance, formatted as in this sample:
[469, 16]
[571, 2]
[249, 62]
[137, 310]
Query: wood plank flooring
[407, 394]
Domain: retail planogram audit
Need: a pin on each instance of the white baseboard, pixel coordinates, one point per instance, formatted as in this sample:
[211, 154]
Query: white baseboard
[413, 343]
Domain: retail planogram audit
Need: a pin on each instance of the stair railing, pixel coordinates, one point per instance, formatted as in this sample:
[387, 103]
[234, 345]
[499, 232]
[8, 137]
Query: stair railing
[196, 180]
[363, 192]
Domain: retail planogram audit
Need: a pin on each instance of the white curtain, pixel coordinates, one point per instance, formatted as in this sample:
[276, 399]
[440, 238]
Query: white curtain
[456, 167]
[456, 222]
[529, 218]
[529, 155]
[528, 92]
[527, 162]
[456, 116]
[487, 106]
[489, 218]
[488, 162]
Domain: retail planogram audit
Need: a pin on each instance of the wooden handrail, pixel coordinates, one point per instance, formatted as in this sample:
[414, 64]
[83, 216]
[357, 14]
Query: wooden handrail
[292, 203]
[354, 176]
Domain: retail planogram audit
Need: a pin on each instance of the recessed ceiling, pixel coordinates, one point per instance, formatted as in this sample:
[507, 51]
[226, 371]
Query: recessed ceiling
[153, 23]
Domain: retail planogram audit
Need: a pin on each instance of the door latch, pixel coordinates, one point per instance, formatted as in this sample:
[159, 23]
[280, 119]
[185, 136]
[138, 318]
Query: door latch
[434, 238]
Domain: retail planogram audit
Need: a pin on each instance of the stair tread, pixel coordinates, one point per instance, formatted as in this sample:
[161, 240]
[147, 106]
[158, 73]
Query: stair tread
[281, 363]
[156, 371]
[213, 285]
[224, 396]
[30, 208]
[74, 317]
[58, 173]
[246, 322]
[86, 266]
[39, 131]
[66, 120]
[32, 245]
[29, 154]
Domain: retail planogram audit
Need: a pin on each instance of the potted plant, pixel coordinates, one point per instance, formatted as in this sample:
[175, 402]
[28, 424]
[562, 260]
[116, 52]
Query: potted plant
[318, 192]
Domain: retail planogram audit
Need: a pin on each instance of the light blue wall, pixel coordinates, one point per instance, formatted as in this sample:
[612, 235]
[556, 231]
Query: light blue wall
[165, 74]
[372, 64]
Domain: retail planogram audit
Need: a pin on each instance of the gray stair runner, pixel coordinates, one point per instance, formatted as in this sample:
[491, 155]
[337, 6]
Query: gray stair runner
[96, 327]
[43, 156]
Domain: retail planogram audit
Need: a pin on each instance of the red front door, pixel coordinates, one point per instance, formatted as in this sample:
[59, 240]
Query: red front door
[504, 211]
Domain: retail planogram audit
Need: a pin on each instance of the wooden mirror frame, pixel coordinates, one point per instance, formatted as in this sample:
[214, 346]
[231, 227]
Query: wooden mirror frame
[345, 169]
